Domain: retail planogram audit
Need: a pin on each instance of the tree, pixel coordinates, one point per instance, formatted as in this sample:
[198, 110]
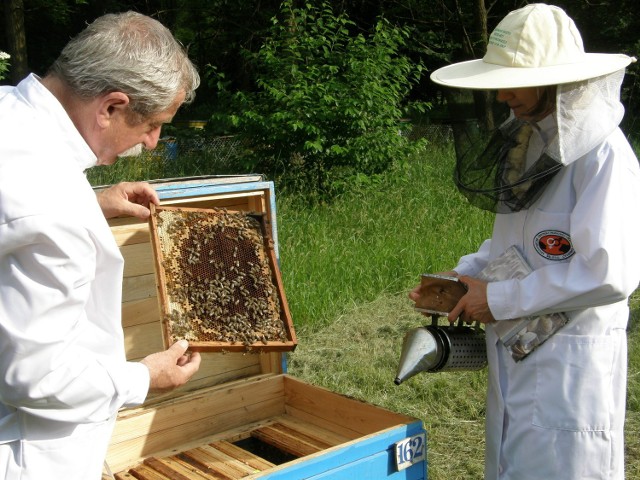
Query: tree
[16, 39]
[329, 102]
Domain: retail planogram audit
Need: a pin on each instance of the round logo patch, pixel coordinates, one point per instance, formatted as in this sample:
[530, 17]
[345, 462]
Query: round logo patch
[553, 245]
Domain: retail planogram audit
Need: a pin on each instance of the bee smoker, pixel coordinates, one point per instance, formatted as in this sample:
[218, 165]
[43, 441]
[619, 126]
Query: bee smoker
[435, 348]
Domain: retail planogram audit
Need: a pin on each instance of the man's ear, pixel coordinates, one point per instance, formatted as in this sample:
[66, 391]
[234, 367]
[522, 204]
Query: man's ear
[112, 105]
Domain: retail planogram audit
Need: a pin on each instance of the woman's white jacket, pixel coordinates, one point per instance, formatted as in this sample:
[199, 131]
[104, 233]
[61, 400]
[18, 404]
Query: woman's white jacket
[559, 413]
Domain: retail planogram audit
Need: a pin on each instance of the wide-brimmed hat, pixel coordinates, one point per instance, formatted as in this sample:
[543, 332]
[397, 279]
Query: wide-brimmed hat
[533, 46]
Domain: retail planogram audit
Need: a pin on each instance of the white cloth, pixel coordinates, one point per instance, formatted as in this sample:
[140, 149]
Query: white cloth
[560, 412]
[63, 372]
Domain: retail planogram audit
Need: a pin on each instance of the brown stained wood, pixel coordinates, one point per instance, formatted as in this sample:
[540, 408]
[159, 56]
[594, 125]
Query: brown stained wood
[141, 472]
[439, 294]
[120, 476]
[192, 457]
[241, 266]
[284, 441]
[193, 472]
[242, 455]
[214, 462]
[175, 470]
[285, 313]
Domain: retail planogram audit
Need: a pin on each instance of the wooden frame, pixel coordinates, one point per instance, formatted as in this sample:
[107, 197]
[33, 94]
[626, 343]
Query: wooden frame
[221, 346]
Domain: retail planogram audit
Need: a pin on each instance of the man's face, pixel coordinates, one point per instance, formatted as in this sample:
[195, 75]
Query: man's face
[125, 137]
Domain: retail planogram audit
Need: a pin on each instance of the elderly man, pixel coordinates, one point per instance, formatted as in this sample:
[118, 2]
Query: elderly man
[63, 369]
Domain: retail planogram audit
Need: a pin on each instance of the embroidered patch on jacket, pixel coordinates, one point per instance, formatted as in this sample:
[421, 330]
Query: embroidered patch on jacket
[553, 245]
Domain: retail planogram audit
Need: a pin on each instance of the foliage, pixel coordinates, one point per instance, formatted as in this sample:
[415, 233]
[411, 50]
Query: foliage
[190, 153]
[4, 64]
[216, 31]
[328, 103]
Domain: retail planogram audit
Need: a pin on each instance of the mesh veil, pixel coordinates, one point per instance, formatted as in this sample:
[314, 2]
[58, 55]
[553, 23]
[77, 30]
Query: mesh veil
[508, 170]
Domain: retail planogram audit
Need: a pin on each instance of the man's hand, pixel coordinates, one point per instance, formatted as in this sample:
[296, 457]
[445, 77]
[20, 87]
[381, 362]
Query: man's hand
[127, 198]
[171, 368]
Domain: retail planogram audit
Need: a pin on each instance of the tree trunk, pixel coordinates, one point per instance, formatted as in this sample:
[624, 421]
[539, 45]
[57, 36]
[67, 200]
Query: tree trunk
[16, 39]
[483, 98]
[471, 111]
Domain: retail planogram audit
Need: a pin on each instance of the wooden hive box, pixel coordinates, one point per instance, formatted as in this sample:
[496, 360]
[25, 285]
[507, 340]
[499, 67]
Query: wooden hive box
[242, 415]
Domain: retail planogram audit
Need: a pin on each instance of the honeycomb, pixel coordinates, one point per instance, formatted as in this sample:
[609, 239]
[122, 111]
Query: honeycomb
[215, 277]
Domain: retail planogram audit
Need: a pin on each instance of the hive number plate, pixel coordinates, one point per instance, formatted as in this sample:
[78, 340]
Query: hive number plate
[411, 450]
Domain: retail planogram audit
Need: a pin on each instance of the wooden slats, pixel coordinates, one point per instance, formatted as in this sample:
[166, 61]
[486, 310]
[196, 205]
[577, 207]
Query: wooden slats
[138, 312]
[141, 472]
[138, 259]
[248, 458]
[175, 469]
[213, 461]
[137, 288]
[224, 460]
[289, 440]
[141, 432]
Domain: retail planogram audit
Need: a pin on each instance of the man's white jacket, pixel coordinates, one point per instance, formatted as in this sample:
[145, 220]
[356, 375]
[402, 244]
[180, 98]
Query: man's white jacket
[63, 373]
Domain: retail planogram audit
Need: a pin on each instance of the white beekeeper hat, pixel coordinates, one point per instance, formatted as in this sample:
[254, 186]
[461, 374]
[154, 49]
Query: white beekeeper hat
[533, 46]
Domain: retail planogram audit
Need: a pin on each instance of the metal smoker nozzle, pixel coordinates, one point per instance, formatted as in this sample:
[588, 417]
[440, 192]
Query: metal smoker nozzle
[420, 352]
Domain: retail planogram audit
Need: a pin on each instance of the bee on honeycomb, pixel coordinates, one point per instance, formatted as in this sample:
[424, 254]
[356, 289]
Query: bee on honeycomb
[217, 276]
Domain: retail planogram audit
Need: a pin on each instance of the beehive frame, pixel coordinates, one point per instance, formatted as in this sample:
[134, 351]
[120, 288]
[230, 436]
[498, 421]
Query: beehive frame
[219, 284]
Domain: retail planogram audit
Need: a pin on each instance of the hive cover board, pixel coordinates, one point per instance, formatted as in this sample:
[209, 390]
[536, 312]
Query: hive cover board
[219, 285]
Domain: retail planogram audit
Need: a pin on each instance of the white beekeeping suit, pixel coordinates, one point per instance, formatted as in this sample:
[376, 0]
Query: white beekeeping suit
[571, 211]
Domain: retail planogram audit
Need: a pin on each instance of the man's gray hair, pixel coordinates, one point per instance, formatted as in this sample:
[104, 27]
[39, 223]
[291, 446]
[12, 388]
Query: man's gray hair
[130, 53]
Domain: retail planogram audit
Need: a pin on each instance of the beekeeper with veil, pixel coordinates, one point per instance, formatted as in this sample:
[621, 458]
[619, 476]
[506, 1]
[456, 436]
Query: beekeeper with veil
[565, 186]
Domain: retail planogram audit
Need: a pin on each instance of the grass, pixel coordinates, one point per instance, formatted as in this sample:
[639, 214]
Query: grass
[347, 267]
[376, 240]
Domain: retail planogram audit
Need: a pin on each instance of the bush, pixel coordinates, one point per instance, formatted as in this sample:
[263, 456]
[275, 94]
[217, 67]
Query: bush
[328, 103]
[4, 64]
